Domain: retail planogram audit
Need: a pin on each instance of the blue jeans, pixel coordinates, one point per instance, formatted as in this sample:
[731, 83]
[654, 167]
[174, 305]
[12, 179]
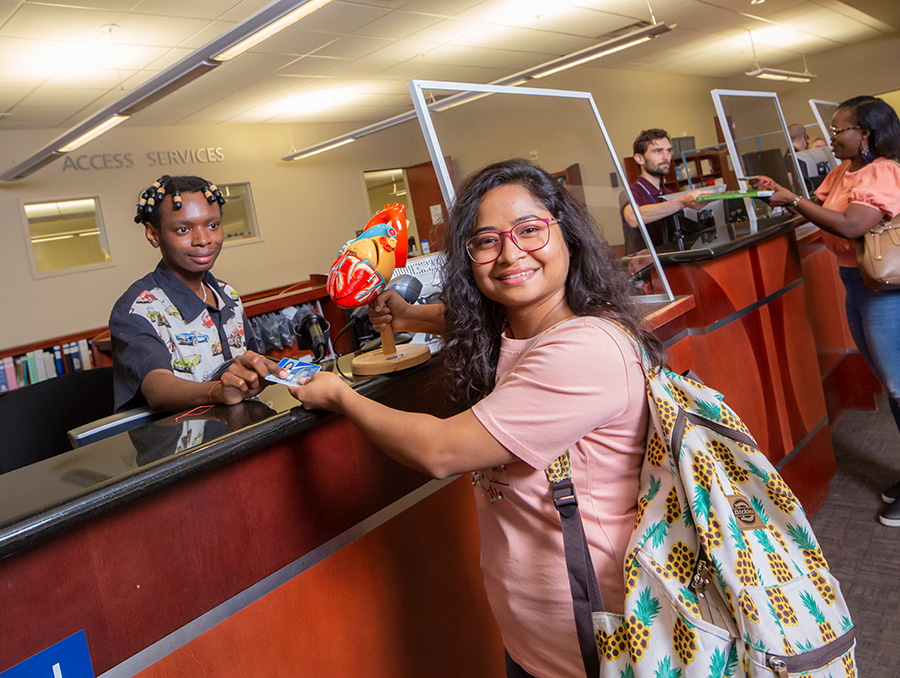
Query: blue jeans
[874, 320]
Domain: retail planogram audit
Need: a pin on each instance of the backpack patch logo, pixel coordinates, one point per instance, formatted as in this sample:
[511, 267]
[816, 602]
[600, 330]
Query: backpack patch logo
[746, 516]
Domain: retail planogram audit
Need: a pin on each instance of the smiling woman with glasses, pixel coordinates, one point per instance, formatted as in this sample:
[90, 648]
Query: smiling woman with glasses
[542, 353]
[858, 194]
[528, 235]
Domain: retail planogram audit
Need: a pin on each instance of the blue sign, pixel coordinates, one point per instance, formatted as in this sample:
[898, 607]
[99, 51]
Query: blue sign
[69, 658]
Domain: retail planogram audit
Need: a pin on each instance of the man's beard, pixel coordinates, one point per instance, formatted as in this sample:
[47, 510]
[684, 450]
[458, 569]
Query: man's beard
[657, 172]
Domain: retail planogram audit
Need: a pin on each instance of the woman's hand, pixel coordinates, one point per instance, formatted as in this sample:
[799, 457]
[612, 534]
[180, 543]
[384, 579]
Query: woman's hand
[323, 391]
[781, 197]
[389, 308]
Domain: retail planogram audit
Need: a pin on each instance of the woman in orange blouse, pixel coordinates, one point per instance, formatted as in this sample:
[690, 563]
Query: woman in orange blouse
[856, 196]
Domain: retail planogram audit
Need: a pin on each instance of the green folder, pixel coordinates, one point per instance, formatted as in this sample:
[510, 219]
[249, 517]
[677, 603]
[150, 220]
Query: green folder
[753, 193]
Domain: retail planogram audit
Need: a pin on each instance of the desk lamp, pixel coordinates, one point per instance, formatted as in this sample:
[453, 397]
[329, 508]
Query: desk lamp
[361, 272]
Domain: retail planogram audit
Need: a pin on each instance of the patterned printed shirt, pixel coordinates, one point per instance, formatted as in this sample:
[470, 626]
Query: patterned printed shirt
[159, 323]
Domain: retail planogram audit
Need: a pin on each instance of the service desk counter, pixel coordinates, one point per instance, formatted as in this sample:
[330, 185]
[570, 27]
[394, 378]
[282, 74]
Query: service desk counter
[255, 540]
[750, 337]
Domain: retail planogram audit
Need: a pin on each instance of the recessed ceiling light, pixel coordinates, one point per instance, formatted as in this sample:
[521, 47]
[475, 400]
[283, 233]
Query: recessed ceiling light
[757, 2]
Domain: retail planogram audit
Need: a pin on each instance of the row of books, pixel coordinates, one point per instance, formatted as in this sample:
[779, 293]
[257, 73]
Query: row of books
[40, 364]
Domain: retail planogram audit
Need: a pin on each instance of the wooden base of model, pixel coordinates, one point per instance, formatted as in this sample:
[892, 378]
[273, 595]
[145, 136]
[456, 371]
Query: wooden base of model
[390, 357]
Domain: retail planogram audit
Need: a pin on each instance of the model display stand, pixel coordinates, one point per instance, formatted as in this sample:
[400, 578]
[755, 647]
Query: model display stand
[361, 272]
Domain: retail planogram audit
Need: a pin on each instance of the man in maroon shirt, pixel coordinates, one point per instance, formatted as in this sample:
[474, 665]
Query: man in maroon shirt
[653, 154]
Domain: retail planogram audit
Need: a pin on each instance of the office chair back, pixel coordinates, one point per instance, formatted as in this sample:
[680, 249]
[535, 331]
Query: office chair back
[34, 420]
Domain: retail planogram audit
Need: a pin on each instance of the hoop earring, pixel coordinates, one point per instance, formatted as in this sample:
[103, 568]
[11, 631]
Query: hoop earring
[867, 155]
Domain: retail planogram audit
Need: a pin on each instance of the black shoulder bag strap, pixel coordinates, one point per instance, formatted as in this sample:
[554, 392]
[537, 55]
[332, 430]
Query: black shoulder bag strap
[582, 578]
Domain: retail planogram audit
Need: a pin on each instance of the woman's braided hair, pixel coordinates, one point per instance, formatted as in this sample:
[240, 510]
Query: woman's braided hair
[151, 198]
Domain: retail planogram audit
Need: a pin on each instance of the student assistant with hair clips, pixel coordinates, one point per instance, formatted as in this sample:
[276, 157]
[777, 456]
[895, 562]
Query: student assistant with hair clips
[175, 329]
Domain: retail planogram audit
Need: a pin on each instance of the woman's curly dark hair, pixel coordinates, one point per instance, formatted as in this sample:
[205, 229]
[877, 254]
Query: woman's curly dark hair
[596, 285]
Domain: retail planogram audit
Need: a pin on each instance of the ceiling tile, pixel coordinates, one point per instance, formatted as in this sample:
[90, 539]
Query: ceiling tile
[7, 7]
[207, 34]
[252, 62]
[162, 31]
[477, 56]
[361, 68]
[398, 25]
[196, 9]
[56, 97]
[313, 65]
[402, 50]
[353, 47]
[45, 116]
[444, 32]
[341, 18]
[296, 42]
[242, 9]
[69, 24]
[105, 80]
[9, 96]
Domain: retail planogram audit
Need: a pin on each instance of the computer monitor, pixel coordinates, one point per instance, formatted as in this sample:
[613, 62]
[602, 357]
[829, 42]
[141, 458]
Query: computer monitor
[770, 162]
[818, 161]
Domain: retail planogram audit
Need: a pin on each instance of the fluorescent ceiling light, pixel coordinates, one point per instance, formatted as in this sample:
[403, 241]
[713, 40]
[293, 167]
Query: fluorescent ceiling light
[268, 31]
[616, 44]
[779, 74]
[602, 49]
[447, 104]
[93, 133]
[313, 150]
[52, 238]
[273, 17]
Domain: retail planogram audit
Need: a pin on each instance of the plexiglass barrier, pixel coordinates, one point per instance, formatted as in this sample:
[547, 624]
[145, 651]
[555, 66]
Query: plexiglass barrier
[467, 126]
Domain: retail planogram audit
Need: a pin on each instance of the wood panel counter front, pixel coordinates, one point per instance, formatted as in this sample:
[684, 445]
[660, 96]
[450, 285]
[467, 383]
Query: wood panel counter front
[750, 337]
[289, 546]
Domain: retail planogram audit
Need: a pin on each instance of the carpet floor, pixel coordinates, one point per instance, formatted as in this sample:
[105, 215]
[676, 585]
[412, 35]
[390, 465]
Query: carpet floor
[864, 554]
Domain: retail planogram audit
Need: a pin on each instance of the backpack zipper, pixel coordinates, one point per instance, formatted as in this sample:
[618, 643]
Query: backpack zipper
[699, 583]
[809, 661]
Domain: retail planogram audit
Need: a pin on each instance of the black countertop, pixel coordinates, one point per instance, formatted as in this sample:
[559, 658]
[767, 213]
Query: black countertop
[42, 499]
[723, 240]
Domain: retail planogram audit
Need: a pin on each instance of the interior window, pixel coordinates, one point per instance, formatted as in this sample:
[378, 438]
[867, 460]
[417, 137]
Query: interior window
[238, 215]
[66, 234]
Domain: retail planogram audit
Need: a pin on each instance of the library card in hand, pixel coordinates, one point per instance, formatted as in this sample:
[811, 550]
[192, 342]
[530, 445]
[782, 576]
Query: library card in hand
[297, 370]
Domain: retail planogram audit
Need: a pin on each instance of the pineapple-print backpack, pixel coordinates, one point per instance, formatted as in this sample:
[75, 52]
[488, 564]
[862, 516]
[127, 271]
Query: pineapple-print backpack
[723, 576]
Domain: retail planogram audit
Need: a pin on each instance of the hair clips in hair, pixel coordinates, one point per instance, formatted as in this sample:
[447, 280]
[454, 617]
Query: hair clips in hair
[176, 199]
[217, 193]
[149, 198]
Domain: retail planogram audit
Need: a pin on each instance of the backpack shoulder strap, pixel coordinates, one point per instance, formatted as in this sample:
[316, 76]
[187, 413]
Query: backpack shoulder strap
[582, 578]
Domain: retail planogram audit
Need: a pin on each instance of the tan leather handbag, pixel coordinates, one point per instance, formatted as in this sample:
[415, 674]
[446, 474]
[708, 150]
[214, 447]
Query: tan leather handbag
[878, 255]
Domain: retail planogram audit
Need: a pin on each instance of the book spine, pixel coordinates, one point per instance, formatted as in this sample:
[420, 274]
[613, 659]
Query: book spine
[67, 357]
[34, 373]
[85, 352]
[4, 382]
[9, 366]
[76, 358]
[22, 370]
[49, 364]
[58, 361]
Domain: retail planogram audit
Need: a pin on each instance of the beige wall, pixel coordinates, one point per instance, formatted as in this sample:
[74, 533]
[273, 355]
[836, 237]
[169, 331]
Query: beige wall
[308, 209]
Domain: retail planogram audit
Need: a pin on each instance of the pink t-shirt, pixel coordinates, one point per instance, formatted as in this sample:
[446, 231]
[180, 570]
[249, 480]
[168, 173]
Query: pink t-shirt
[875, 185]
[579, 387]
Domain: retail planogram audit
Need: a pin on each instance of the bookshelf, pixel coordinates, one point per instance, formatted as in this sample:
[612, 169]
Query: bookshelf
[693, 169]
